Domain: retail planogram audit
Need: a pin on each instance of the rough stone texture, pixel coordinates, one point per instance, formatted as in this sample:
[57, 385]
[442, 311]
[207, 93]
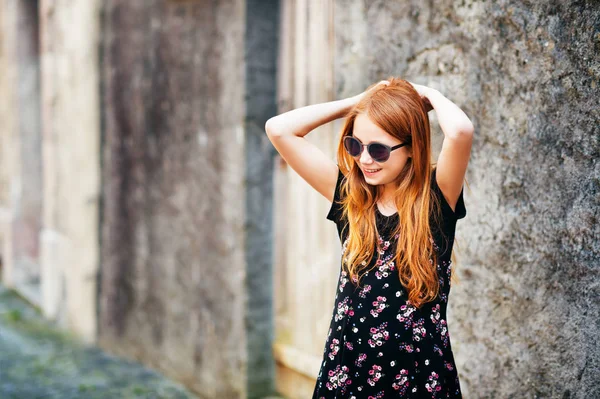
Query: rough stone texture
[261, 56]
[173, 262]
[40, 361]
[525, 317]
[70, 33]
[21, 198]
[7, 112]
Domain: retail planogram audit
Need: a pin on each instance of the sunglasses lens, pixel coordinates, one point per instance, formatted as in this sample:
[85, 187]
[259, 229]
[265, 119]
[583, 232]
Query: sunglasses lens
[379, 153]
[352, 146]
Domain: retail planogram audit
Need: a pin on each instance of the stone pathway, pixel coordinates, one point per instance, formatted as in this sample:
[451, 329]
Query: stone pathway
[39, 361]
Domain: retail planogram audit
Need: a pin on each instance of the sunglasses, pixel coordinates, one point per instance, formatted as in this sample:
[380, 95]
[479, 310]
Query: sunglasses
[378, 151]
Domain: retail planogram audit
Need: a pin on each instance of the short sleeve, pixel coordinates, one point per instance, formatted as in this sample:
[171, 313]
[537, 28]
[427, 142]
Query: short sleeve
[459, 211]
[335, 212]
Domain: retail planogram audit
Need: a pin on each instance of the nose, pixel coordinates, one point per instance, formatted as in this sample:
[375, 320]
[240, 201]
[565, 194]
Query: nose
[365, 158]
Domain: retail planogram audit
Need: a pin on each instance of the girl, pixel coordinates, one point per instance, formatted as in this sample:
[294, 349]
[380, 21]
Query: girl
[396, 214]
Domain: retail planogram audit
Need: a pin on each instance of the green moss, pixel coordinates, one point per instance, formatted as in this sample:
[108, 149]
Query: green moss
[13, 316]
[40, 360]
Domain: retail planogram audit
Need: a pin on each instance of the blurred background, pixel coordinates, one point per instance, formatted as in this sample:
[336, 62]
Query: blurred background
[144, 211]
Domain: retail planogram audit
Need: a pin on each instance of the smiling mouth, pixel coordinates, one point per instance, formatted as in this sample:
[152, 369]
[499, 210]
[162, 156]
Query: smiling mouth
[372, 171]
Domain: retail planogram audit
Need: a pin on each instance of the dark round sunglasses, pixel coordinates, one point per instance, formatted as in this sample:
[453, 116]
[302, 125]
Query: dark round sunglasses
[378, 151]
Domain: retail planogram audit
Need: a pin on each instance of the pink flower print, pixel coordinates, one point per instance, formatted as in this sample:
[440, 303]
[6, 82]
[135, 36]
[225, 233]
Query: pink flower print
[419, 330]
[343, 280]
[435, 246]
[401, 382]
[378, 306]
[338, 378]
[378, 395]
[344, 309]
[334, 348]
[375, 374]
[444, 297]
[406, 314]
[440, 277]
[404, 346]
[435, 314]
[432, 385]
[360, 359]
[380, 240]
[448, 365]
[440, 324]
[364, 291]
[384, 269]
[378, 335]
[449, 269]
[348, 345]
[437, 350]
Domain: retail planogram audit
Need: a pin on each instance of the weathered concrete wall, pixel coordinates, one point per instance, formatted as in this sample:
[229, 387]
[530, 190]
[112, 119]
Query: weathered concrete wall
[7, 112]
[173, 261]
[20, 157]
[70, 33]
[261, 46]
[527, 74]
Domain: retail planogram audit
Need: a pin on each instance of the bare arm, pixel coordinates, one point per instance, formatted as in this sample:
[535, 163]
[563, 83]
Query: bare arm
[458, 139]
[286, 132]
[456, 148]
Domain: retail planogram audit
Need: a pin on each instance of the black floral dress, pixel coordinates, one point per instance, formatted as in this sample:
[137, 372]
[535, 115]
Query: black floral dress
[379, 345]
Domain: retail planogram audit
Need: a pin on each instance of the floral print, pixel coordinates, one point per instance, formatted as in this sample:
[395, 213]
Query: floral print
[378, 335]
[338, 378]
[344, 309]
[379, 345]
[378, 306]
[401, 383]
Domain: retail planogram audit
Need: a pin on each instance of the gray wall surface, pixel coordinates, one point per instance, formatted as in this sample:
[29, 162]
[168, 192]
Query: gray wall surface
[524, 319]
[262, 24]
[173, 268]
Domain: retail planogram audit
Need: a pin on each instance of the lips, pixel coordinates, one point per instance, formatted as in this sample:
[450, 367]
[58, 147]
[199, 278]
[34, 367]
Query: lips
[371, 173]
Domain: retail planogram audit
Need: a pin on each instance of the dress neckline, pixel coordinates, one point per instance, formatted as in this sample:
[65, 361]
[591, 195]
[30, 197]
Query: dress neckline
[385, 216]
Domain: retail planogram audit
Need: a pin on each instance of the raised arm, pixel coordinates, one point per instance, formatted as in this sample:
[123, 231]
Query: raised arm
[286, 132]
[456, 147]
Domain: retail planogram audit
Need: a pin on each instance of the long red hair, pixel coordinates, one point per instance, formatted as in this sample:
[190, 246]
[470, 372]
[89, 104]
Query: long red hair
[397, 109]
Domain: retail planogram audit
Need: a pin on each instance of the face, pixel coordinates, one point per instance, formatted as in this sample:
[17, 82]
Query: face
[386, 172]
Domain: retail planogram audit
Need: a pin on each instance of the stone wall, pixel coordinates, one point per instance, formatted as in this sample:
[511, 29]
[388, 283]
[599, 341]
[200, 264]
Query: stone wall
[261, 47]
[20, 156]
[524, 317]
[50, 157]
[173, 278]
[70, 36]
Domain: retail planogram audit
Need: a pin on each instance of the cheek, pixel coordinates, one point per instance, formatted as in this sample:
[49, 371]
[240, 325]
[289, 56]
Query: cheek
[396, 164]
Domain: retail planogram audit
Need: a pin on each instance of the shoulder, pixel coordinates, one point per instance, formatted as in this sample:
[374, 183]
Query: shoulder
[336, 208]
[459, 210]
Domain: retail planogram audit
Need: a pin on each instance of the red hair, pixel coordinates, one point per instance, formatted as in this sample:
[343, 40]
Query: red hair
[398, 109]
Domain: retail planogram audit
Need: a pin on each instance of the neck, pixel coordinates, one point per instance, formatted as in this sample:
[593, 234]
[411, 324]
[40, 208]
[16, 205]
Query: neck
[387, 194]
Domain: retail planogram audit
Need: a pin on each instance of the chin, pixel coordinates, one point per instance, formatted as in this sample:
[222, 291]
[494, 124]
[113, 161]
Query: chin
[377, 178]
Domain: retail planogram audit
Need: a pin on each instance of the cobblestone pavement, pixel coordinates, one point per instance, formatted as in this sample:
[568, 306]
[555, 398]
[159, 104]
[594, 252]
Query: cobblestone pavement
[39, 361]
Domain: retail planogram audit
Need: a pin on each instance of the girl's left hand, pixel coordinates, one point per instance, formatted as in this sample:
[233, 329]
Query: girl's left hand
[423, 92]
